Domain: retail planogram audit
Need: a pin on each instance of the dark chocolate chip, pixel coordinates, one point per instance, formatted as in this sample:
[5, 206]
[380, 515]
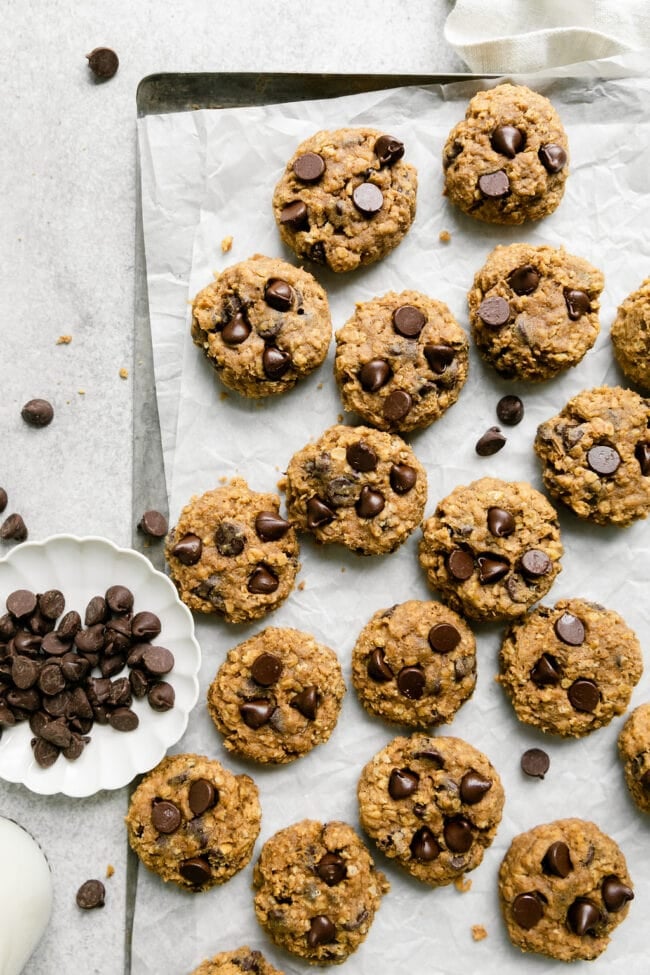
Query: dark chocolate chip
[408, 321]
[196, 871]
[319, 513]
[57, 733]
[494, 185]
[119, 599]
[642, 454]
[165, 816]
[361, 457]
[37, 413]
[535, 564]
[615, 893]
[527, 910]
[3, 499]
[103, 62]
[552, 157]
[388, 150]
[458, 834]
[370, 503]
[202, 796]
[230, 539]
[270, 526]
[275, 362]
[321, 931]
[443, 638]
[153, 523]
[403, 782]
[24, 672]
[524, 280]
[309, 167]
[490, 443]
[439, 357]
[557, 860]
[96, 611]
[603, 460]
[424, 846]
[157, 660]
[569, 629]
[307, 702]
[90, 895]
[188, 549]
[45, 753]
[51, 603]
[460, 564]
[645, 781]
[161, 695]
[535, 762]
[368, 199]
[123, 719]
[583, 916]
[411, 682]
[51, 679]
[266, 669]
[374, 374]
[13, 528]
[397, 405]
[294, 215]
[331, 869]
[145, 626]
[262, 581]
[317, 252]
[507, 140]
[546, 671]
[90, 640]
[21, 603]
[500, 522]
[402, 478]
[510, 410]
[473, 786]
[255, 714]
[237, 330]
[492, 568]
[577, 303]
[584, 695]
[378, 669]
[494, 311]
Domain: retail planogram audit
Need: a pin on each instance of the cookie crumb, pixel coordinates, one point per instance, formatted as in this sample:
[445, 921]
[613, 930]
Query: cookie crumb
[320, 386]
[110, 870]
[301, 586]
[462, 884]
[223, 479]
[444, 236]
[223, 395]
[124, 373]
[64, 340]
[478, 932]
[226, 244]
[81, 392]
[342, 568]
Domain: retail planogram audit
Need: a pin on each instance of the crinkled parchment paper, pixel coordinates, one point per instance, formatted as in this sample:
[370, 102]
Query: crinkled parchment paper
[210, 174]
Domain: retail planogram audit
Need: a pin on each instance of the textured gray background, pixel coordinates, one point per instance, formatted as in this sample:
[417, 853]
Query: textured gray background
[67, 159]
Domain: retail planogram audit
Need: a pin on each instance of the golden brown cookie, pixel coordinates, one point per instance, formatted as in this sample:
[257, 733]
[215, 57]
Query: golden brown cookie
[317, 890]
[414, 664]
[595, 455]
[432, 804]
[564, 887]
[232, 553]
[263, 325]
[634, 750]
[534, 310]
[492, 548]
[346, 198]
[193, 822]
[235, 962]
[631, 336]
[277, 695]
[570, 669]
[507, 161]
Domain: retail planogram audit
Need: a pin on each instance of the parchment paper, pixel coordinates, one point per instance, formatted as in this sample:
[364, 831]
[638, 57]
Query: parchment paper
[209, 174]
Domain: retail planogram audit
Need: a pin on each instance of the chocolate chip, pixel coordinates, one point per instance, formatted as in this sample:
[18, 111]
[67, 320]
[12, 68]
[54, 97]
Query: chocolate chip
[408, 321]
[411, 682]
[500, 522]
[507, 140]
[275, 362]
[388, 150]
[123, 719]
[443, 638]
[402, 783]
[546, 671]
[577, 303]
[317, 252]
[321, 931]
[45, 753]
[51, 679]
[103, 62]
[552, 157]
[96, 611]
[494, 185]
[230, 539]
[237, 330]
[262, 581]
[535, 762]
[90, 895]
[24, 672]
[331, 869]
[492, 568]
[584, 695]
[361, 457]
[645, 781]
[527, 910]
[423, 845]
[145, 626]
[569, 629]
[370, 503]
[473, 786]
[309, 167]
[397, 405]
[69, 626]
[294, 215]
[402, 478]
[119, 599]
[37, 413]
[153, 523]
[319, 513]
[188, 549]
[494, 311]
[490, 443]
[270, 526]
[583, 916]
[90, 640]
[458, 834]
[524, 280]
[51, 603]
[196, 871]
[368, 199]
[279, 294]
[161, 695]
[307, 702]
[535, 564]
[266, 669]
[642, 454]
[510, 410]
[3, 499]
[21, 603]
[165, 816]
[557, 860]
[439, 357]
[378, 669]
[13, 528]
[603, 460]
[202, 796]
[615, 893]
[256, 713]
[374, 374]
[460, 564]
[157, 660]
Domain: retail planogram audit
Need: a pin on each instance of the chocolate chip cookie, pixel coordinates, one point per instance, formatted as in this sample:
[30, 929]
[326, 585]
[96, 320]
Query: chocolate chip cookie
[415, 664]
[492, 548]
[534, 310]
[631, 336]
[595, 455]
[317, 890]
[432, 804]
[232, 553]
[401, 361]
[263, 325]
[564, 887]
[277, 695]
[193, 822]
[360, 487]
[634, 750]
[570, 669]
[507, 161]
[346, 198]
[235, 962]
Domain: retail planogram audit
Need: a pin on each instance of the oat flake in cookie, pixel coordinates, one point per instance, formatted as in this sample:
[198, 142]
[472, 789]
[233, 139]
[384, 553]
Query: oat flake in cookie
[193, 822]
[232, 553]
[634, 751]
[432, 804]
[414, 664]
[631, 336]
[492, 548]
[317, 890]
[534, 310]
[401, 361]
[569, 670]
[277, 695]
[346, 198]
[263, 325]
[360, 487]
[595, 455]
[243, 959]
[563, 888]
[507, 161]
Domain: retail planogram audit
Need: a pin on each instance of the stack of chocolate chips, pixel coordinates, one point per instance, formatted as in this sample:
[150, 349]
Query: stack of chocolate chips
[60, 675]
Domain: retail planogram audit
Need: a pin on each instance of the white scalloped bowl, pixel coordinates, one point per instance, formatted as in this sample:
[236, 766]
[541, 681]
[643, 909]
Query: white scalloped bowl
[82, 568]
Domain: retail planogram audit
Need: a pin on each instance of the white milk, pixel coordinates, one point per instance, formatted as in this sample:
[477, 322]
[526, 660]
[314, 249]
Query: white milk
[25, 896]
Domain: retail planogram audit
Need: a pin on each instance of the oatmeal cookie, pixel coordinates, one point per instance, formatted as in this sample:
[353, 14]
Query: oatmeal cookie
[235, 962]
[631, 336]
[634, 750]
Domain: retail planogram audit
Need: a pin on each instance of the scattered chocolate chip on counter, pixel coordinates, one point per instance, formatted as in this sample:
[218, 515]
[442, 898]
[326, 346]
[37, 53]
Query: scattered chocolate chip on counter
[490, 443]
[103, 62]
[13, 529]
[3, 499]
[154, 524]
[535, 762]
[90, 895]
[37, 413]
[510, 410]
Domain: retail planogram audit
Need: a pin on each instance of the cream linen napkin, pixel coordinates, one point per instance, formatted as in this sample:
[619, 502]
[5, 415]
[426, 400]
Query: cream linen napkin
[530, 35]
